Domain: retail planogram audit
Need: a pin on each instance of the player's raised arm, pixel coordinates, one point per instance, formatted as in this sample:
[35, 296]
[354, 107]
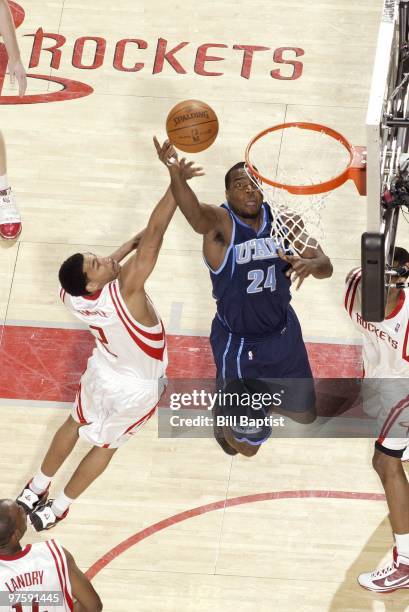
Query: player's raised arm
[203, 218]
[130, 245]
[87, 599]
[140, 267]
[8, 32]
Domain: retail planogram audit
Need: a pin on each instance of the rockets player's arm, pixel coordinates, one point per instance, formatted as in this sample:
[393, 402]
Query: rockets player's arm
[138, 268]
[8, 32]
[87, 599]
[127, 247]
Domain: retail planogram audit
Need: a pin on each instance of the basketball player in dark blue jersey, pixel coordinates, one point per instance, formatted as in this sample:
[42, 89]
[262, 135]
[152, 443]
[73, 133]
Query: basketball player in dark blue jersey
[255, 334]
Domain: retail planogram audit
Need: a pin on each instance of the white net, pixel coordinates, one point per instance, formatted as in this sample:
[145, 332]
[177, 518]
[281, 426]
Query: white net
[297, 157]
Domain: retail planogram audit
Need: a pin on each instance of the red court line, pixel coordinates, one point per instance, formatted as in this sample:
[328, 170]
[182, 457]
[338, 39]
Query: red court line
[225, 503]
[39, 363]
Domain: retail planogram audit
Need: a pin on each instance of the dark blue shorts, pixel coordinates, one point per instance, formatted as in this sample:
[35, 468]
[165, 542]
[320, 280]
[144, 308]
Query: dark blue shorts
[279, 360]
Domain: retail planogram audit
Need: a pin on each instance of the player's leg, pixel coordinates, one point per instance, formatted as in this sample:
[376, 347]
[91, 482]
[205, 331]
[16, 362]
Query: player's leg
[10, 220]
[387, 462]
[36, 490]
[390, 470]
[219, 341]
[61, 447]
[92, 465]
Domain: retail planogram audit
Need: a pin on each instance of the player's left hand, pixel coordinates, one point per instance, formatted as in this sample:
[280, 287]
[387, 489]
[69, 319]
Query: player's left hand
[300, 267]
[166, 153]
[188, 170]
[17, 71]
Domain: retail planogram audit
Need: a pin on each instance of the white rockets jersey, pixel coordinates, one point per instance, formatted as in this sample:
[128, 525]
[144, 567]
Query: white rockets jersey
[128, 346]
[37, 568]
[385, 348]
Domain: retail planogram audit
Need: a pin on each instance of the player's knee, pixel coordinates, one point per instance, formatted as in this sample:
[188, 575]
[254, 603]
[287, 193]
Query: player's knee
[385, 465]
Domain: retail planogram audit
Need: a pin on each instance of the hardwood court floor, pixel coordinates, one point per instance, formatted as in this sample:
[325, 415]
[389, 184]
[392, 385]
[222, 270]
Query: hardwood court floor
[86, 176]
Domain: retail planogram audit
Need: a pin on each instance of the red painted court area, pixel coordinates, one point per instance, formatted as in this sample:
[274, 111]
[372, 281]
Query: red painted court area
[38, 363]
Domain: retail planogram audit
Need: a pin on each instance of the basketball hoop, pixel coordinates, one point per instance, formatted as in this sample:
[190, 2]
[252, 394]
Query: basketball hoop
[307, 160]
[354, 170]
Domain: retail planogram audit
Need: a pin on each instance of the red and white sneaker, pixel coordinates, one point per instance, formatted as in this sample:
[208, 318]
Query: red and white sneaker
[44, 518]
[10, 219]
[29, 500]
[389, 578]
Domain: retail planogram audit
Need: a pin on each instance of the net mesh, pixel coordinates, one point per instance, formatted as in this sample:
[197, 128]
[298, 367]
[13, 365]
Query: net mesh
[297, 157]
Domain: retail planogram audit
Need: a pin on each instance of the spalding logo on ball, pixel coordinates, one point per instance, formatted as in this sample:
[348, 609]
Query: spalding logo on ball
[192, 126]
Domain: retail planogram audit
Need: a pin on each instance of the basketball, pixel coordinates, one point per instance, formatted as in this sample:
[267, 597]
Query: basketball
[192, 126]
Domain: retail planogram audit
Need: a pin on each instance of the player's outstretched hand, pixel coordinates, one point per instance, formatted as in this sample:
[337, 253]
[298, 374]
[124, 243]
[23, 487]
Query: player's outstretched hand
[300, 267]
[166, 153]
[188, 170]
[168, 156]
[17, 71]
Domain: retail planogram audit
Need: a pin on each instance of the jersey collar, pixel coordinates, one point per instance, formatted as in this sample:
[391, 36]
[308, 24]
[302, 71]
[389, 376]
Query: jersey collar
[18, 555]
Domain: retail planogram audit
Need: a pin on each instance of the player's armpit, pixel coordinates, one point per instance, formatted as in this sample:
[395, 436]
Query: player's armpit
[212, 218]
[87, 598]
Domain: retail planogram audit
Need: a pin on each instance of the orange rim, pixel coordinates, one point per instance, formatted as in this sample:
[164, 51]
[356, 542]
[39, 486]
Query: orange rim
[355, 170]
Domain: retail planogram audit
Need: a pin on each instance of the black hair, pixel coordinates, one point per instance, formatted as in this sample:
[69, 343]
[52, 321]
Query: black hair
[401, 256]
[237, 166]
[7, 523]
[72, 277]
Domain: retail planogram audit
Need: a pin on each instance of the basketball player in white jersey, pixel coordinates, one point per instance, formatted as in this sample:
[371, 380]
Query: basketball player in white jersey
[38, 568]
[121, 387]
[10, 220]
[386, 370]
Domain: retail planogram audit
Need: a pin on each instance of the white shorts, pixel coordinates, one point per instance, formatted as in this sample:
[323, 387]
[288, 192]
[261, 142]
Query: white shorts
[387, 400]
[112, 406]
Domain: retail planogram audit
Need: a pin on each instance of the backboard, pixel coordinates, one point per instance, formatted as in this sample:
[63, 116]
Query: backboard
[387, 127]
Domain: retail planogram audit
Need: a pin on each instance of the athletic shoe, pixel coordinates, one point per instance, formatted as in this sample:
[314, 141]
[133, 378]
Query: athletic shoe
[44, 518]
[29, 500]
[389, 578]
[10, 220]
[218, 434]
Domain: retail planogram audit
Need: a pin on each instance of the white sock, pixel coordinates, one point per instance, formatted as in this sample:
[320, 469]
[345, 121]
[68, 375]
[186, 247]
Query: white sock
[402, 544]
[39, 483]
[4, 182]
[61, 504]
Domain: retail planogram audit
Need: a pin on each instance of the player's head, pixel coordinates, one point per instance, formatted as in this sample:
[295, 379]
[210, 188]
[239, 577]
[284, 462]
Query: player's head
[242, 192]
[13, 523]
[400, 259]
[400, 256]
[86, 273]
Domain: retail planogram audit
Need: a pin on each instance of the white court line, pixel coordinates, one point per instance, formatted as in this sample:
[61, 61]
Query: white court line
[21, 403]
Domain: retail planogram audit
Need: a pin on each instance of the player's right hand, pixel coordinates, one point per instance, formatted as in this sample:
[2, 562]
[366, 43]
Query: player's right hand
[17, 71]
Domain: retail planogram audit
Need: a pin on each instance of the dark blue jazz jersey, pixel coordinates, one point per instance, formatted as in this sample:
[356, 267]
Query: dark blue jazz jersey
[255, 333]
[250, 287]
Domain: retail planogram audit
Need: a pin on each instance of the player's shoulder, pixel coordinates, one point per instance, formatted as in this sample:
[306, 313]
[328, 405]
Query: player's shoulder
[353, 275]
[80, 302]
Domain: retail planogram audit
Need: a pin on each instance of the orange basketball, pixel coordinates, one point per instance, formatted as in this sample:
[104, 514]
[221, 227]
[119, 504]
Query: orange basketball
[192, 126]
